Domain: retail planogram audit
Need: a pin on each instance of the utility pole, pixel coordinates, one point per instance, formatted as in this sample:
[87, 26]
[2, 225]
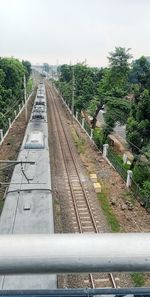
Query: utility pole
[25, 99]
[73, 90]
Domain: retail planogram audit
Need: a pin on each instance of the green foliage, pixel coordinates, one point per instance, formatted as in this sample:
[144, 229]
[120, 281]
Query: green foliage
[117, 110]
[119, 59]
[140, 73]
[141, 172]
[138, 279]
[145, 192]
[27, 67]
[92, 106]
[119, 68]
[110, 86]
[65, 72]
[14, 72]
[122, 90]
[132, 134]
[2, 76]
[138, 125]
[98, 137]
[11, 87]
[113, 88]
[112, 220]
[66, 91]
[119, 160]
[29, 86]
[141, 175]
[86, 83]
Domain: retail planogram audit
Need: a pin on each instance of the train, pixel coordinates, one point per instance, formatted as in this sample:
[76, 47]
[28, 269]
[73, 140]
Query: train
[28, 207]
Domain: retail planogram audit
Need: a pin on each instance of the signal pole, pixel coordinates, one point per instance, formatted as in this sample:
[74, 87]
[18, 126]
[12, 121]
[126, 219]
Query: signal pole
[25, 99]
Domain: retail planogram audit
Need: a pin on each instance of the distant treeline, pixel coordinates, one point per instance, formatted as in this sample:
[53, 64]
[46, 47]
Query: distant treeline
[12, 73]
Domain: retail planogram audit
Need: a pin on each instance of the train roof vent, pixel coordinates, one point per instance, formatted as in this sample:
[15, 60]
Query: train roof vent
[40, 103]
[26, 204]
[35, 140]
[40, 96]
[37, 115]
[41, 89]
[39, 108]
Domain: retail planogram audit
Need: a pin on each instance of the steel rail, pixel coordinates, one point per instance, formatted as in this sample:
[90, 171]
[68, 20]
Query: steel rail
[69, 180]
[78, 174]
[88, 204]
[111, 278]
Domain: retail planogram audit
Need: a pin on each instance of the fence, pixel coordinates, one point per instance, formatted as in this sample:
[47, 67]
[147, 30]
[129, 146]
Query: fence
[87, 128]
[112, 158]
[145, 201]
[8, 122]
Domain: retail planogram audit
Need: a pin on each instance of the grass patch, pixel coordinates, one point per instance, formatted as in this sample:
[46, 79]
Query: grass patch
[79, 142]
[138, 279]
[111, 219]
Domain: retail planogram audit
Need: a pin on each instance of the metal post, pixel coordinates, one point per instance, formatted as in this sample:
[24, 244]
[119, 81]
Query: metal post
[83, 120]
[25, 99]
[105, 148]
[9, 120]
[1, 134]
[125, 158]
[19, 107]
[129, 178]
[91, 136]
[77, 115]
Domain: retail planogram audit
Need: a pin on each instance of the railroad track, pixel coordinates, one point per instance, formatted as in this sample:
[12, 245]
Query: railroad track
[82, 210]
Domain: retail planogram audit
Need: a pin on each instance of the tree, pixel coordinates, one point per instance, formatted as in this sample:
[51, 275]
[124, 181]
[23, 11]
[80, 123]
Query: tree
[11, 88]
[65, 73]
[28, 69]
[86, 83]
[140, 73]
[145, 192]
[14, 72]
[114, 87]
[138, 125]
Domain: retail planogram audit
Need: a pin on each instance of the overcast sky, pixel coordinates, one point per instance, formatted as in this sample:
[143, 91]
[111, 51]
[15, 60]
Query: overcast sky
[64, 31]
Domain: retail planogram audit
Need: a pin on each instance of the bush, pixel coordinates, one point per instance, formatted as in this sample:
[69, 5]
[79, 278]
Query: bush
[92, 106]
[98, 137]
[141, 172]
[145, 193]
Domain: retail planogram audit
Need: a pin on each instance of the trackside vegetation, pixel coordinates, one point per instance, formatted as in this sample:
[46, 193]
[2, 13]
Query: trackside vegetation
[12, 73]
[111, 218]
[138, 279]
[122, 90]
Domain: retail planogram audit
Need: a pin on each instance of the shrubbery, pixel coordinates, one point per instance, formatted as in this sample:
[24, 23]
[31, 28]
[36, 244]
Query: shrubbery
[12, 72]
